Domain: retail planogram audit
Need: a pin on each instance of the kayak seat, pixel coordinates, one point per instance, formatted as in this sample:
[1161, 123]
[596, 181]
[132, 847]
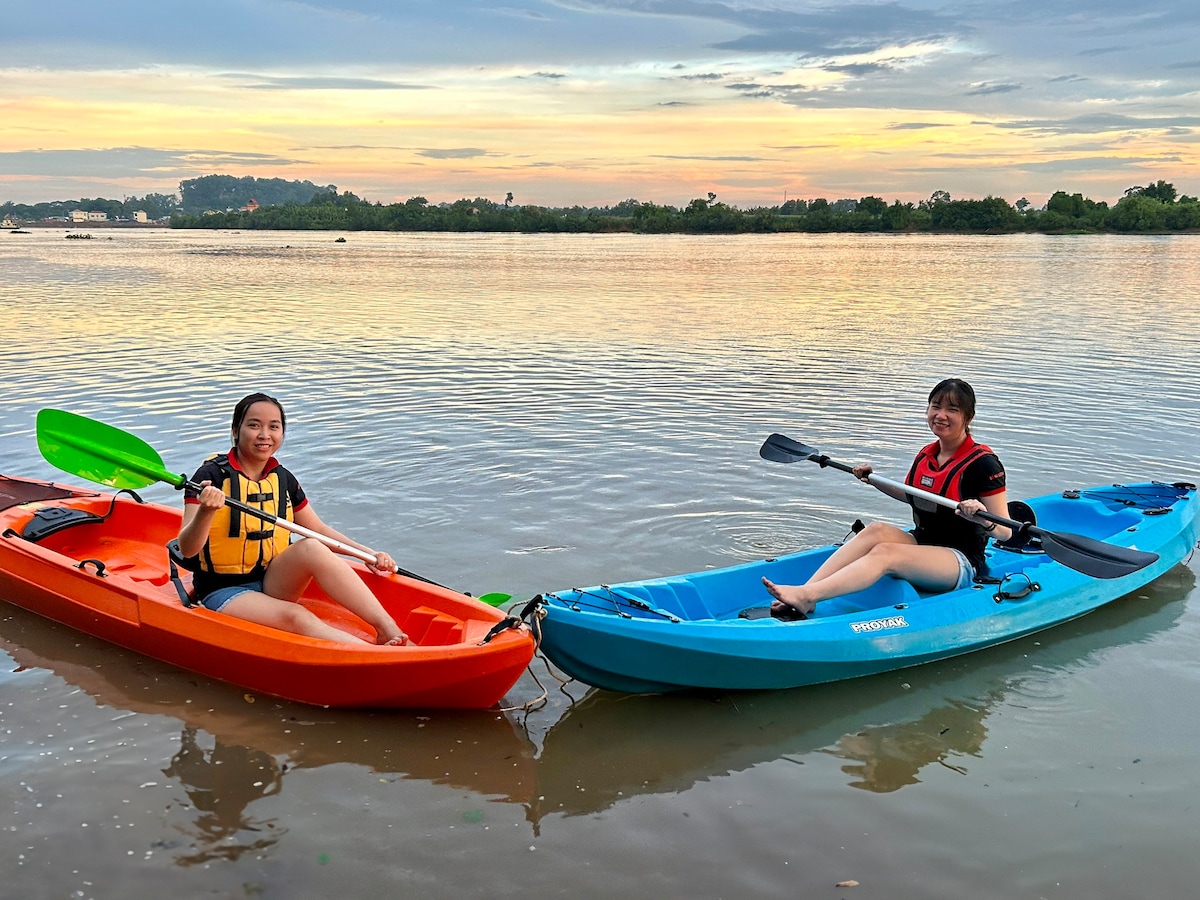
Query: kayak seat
[680, 597]
[140, 562]
[888, 591]
[427, 626]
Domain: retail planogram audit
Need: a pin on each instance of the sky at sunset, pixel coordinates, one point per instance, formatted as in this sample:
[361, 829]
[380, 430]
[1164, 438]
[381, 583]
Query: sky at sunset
[591, 102]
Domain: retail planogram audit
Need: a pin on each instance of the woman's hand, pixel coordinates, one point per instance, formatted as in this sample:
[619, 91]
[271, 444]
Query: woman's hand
[863, 471]
[211, 497]
[383, 563]
[970, 510]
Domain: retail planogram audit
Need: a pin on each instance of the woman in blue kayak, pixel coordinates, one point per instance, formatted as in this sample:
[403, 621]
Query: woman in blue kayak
[247, 567]
[944, 552]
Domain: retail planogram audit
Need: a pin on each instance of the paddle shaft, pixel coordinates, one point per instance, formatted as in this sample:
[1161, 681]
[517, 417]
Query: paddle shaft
[1083, 554]
[366, 556]
[880, 481]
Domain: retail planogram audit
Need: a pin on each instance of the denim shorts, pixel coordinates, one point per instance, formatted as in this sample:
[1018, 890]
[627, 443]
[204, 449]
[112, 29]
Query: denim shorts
[966, 571]
[218, 598]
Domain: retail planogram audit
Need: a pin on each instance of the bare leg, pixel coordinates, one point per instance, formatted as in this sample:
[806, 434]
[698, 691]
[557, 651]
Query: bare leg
[291, 571]
[860, 545]
[931, 568]
[285, 615]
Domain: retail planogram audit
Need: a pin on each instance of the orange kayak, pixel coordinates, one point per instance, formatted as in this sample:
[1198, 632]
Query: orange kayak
[98, 562]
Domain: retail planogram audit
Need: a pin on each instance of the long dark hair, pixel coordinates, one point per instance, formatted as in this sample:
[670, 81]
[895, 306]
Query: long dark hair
[243, 407]
[957, 392]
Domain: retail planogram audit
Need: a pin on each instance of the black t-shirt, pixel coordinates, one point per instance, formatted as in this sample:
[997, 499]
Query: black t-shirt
[973, 473]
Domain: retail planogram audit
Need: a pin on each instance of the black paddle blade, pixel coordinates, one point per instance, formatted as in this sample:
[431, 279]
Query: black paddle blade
[781, 448]
[1090, 556]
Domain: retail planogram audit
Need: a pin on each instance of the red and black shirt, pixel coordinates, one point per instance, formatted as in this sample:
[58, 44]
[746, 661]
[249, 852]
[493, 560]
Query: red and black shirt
[974, 472]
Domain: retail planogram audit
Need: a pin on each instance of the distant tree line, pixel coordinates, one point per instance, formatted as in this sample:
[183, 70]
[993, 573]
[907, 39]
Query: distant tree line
[1156, 208]
[218, 201]
[225, 192]
[221, 193]
[155, 206]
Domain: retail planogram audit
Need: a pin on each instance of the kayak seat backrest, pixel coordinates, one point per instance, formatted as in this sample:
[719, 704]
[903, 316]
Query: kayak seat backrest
[680, 596]
[50, 520]
[427, 626]
[1001, 564]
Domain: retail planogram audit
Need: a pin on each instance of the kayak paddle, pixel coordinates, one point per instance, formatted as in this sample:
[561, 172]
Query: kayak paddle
[118, 459]
[1075, 551]
[494, 599]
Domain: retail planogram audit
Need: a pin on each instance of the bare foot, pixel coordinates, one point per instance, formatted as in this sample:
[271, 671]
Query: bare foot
[396, 640]
[787, 595]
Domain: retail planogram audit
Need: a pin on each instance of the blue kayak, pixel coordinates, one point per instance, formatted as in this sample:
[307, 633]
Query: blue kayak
[712, 629]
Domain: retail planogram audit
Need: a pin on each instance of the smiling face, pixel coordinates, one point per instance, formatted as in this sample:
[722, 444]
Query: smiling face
[260, 434]
[949, 413]
[946, 420]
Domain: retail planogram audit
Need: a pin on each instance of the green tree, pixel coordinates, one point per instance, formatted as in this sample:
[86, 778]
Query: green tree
[1160, 190]
[872, 206]
[1137, 212]
[897, 217]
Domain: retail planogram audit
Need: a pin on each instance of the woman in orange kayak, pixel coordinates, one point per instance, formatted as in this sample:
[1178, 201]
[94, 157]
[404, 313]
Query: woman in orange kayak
[245, 566]
[944, 552]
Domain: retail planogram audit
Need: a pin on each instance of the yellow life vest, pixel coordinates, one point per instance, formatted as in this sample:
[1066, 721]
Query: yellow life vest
[239, 543]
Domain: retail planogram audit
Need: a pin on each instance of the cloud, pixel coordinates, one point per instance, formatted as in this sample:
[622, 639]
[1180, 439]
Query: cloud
[978, 90]
[801, 147]
[818, 32]
[1102, 51]
[859, 69]
[593, 84]
[453, 153]
[708, 158]
[318, 83]
[1092, 163]
[110, 162]
[1098, 123]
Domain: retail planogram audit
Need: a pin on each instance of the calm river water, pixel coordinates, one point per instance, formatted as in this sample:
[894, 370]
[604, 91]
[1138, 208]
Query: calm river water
[525, 413]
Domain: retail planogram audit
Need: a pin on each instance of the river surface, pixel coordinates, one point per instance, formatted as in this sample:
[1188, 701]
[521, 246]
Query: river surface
[526, 413]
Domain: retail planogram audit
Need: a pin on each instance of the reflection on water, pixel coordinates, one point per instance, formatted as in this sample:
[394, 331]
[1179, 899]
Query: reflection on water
[889, 757]
[221, 782]
[234, 749]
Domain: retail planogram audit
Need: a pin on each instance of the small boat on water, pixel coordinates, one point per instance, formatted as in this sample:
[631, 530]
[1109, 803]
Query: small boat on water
[713, 629]
[98, 562]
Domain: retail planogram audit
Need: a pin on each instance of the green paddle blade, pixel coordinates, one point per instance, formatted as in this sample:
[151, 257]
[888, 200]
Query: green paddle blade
[495, 598]
[99, 452]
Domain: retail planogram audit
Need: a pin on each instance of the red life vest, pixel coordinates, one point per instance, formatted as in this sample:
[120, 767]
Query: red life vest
[946, 479]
